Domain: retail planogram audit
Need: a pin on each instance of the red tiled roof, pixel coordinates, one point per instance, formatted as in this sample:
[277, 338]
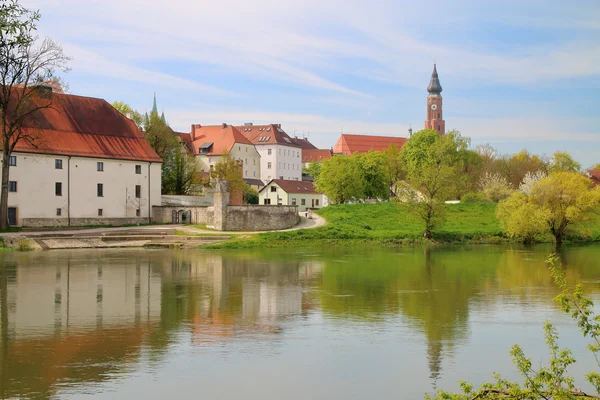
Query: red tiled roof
[223, 138]
[84, 126]
[594, 175]
[304, 143]
[266, 134]
[293, 186]
[315, 155]
[350, 144]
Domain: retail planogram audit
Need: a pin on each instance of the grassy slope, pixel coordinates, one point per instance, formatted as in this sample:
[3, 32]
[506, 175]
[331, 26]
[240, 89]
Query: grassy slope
[393, 224]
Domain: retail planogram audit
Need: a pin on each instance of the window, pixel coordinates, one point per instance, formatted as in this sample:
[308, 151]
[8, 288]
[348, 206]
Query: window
[100, 212]
[12, 161]
[239, 148]
[281, 177]
[12, 186]
[58, 212]
[100, 190]
[279, 151]
[246, 149]
[254, 173]
[316, 202]
[138, 212]
[298, 155]
[269, 151]
[254, 161]
[293, 201]
[273, 189]
[100, 166]
[58, 188]
[57, 164]
[138, 191]
[303, 202]
[138, 169]
[267, 201]
[246, 172]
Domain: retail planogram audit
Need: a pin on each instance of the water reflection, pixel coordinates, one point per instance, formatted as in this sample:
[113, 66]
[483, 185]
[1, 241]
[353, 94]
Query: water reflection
[73, 320]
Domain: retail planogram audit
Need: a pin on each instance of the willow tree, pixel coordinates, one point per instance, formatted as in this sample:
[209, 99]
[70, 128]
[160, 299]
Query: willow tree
[26, 63]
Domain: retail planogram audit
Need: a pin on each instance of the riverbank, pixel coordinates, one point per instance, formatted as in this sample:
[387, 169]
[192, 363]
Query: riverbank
[390, 224]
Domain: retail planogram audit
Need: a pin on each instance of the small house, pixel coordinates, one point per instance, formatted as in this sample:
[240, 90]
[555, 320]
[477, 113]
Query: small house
[292, 193]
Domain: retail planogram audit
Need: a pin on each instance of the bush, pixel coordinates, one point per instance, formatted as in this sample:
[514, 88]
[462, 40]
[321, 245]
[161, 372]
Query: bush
[496, 193]
[23, 245]
[474, 197]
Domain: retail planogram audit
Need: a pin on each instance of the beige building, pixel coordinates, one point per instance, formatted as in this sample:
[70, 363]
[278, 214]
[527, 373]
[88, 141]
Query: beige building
[88, 165]
[292, 193]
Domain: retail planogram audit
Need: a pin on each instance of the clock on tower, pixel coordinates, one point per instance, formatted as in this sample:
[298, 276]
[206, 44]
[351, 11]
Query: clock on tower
[435, 117]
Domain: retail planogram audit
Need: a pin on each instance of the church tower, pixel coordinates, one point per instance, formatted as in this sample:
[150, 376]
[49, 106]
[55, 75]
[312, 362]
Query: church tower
[435, 116]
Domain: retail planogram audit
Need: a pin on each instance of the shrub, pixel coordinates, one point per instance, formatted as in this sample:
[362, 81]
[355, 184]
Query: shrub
[473, 197]
[23, 245]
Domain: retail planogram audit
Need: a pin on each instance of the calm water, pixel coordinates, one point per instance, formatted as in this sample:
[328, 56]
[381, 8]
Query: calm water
[322, 324]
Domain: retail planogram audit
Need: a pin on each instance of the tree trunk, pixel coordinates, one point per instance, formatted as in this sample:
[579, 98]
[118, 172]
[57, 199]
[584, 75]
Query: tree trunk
[4, 191]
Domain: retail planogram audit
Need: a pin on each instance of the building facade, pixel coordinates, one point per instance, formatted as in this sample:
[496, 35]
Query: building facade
[89, 165]
[280, 157]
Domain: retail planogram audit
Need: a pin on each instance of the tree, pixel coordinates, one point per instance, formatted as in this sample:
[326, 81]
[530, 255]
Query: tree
[25, 66]
[229, 170]
[515, 167]
[562, 161]
[313, 169]
[494, 187]
[595, 167]
[126, 110]
[179, 171]
[373, 174]
[530, 179]
[434, 167]
[250, 195]
[558, 202]
[340, 179]
[158, 134]
[393, 168]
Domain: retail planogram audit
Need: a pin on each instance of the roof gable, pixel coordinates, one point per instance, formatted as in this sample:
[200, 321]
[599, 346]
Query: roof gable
[266, 134]
[297, 187]
[350, 144]
[222, 137]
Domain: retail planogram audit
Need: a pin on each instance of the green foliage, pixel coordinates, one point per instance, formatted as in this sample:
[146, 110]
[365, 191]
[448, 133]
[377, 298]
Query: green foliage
[474, 197]
[393, 168]
[595, 167]
[555, 205]
[550, 381]
[229, 170]
[314, 170]
[563, 162]
[179, 171]
[340, 179]
[435, 168]
[159, 135]
[250, 195]
[373, 174]
[23, 245]
[126, 110]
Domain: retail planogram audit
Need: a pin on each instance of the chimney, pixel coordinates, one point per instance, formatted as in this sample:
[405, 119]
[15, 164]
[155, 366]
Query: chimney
[278, 126]
[43, 89]
[128, 114]
[193, 132]
[224, 125]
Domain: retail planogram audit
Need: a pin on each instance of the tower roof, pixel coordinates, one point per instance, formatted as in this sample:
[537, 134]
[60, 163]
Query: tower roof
[434, 84]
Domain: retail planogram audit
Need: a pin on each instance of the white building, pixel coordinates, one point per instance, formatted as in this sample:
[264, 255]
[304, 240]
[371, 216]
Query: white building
[212, 143]
[292, 193]
[280, 157]
[88, 165]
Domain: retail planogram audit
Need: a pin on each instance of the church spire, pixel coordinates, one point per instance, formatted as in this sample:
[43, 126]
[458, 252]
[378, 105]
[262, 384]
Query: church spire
[154, 107]
[434, 84]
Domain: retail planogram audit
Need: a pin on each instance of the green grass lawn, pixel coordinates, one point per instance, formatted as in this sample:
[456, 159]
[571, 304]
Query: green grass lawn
[393, 224]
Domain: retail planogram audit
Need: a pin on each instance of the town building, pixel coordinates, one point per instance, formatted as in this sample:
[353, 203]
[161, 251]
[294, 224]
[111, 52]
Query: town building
[280, 157]
[315, 155]
[435, 115]
[211, 143]
[360, 144]
[293, 193]
[87, 164]
[594, 175]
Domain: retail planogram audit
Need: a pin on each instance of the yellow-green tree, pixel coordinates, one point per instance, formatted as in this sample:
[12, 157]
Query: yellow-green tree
[559, 201]
[563, 162]
[340, 179]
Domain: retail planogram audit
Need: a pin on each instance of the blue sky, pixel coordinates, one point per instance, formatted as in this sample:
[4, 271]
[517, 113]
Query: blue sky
[516, 74]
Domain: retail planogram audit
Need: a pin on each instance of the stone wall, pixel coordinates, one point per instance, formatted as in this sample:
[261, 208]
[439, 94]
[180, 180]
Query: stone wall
[64, 222]
[200, 215]
[260, 218]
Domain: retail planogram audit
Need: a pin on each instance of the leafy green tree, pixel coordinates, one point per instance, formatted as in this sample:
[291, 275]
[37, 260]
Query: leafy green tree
[559, 201]
[250, 195]
[26, 64]
[340, 179]
[516, 167]
[229, 170]
[158, 134]
[126, 110]
[313, 169]
[373, 174]
[393, 168]
[179, 171]
[434, 167]
[562, 161]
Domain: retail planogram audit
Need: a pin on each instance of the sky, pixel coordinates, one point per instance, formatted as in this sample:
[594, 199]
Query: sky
[515, 74]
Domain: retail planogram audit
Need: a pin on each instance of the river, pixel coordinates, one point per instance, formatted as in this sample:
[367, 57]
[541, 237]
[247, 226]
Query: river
[278, 324]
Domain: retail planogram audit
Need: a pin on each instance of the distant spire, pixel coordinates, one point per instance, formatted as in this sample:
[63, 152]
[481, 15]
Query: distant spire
[162, 117]
[434, 84]
[154, 108]
[410, 131]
